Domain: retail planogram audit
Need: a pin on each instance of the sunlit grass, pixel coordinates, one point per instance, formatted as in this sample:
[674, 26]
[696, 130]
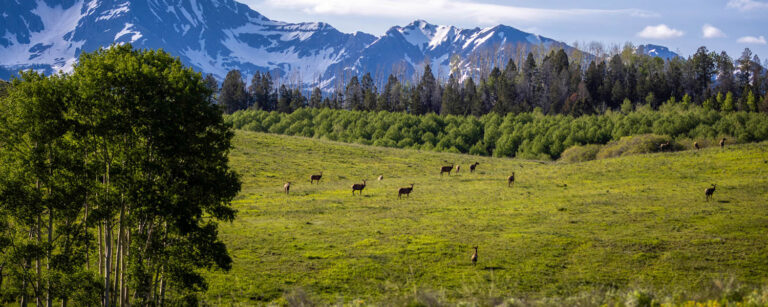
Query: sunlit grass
[563, 230]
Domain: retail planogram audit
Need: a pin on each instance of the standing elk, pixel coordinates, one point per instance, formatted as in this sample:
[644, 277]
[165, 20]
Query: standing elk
[406, 191]
[722, 143]
[472, 167]
[287, 187]
[511, 180]
[696, 145]
[474, 256]
[446, 169]
[381, 177]
[664, 146]
[458, 167]
[358, 187]
[709, 191]
[314, 178]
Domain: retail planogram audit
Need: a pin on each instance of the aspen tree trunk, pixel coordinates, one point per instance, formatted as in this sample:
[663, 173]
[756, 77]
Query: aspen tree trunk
[119, 263]
[38, 265]
[48, 298]
[101, 248]
[108, 262]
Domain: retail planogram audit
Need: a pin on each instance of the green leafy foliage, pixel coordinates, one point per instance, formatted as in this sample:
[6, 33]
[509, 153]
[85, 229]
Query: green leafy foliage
[527, 135]
[112, 180]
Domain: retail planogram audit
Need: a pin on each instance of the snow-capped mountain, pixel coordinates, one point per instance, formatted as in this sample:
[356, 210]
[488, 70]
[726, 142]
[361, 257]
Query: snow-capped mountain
[408, 47]
[657, 51]
[215, 36]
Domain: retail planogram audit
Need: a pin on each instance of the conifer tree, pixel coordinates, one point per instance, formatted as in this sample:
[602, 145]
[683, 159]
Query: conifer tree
[233, 96]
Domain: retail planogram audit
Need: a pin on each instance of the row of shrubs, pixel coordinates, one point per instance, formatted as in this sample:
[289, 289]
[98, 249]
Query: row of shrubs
[529, 135]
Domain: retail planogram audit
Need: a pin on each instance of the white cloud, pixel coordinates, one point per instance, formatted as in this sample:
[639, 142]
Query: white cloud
[484, 13]
[745, 5]
[709, 31]
[661, 31]
[752, 40]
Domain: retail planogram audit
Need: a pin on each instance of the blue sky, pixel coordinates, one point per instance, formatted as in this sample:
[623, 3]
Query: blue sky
[681, 25]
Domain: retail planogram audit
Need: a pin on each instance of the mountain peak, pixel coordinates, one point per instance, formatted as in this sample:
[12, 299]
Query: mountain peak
[215, 36]
[656, 51]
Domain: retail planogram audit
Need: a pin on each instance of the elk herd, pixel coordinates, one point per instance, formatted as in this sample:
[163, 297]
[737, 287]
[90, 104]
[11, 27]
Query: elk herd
[359, 187]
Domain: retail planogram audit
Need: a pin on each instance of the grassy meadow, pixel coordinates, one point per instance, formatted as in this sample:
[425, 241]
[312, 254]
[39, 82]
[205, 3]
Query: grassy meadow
[608, 231]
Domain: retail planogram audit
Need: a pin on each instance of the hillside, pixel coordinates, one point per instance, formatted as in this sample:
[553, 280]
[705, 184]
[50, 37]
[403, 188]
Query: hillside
[591, 231]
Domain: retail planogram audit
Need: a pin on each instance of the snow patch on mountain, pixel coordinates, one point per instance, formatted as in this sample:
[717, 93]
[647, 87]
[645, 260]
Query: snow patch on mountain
[46, 47]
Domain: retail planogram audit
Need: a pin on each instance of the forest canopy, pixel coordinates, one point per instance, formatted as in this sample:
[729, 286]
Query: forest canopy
[553, 81]
[112, 180]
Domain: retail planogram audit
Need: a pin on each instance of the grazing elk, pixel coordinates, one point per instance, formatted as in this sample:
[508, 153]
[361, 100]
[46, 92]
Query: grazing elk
[287, 187]
[696, 145]
[406, 191]
[709, 191]
[664, 146]
[381, 177]
[722, 143]
[358, 187]
[314, 178]
[446, 169]
[458, 167]
[472, 167]
[474, 256]
[511, 180]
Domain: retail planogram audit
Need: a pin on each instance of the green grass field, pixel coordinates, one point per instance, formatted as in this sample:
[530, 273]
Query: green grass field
[585, 231]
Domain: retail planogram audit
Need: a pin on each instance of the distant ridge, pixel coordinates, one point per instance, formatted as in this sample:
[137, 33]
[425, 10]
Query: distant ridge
[215, 36]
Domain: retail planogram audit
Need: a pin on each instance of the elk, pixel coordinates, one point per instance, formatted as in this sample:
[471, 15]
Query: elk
[709, 191]
[314, 178]
[696, 145]
[381, 177]
[406, 191]
[358, 187]
[446, 169]
[664, 146]
[474, 256]
[458, 167]
[287, 187]
[511, 179]
[472, 167]
[722, 143]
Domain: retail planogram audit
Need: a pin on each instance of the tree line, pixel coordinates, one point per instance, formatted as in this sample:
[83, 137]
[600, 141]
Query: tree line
[531, 135]
[555, 84]
[112, 181]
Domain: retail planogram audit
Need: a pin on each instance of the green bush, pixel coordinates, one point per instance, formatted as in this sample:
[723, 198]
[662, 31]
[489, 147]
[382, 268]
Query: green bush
[632, 145]
[580, 153]
[525, 135]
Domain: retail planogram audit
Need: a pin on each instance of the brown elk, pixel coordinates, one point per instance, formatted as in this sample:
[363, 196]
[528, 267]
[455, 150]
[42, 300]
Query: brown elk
[474, 256]
[664, 146]
[458, 167]
[511, 179]
[722, 143]
[696, 145]
[287, 187]
[472, 167]
[314, 178]
[381, 177]
[709, 191]
[406, 191]
[358, 187]
[446, 169]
